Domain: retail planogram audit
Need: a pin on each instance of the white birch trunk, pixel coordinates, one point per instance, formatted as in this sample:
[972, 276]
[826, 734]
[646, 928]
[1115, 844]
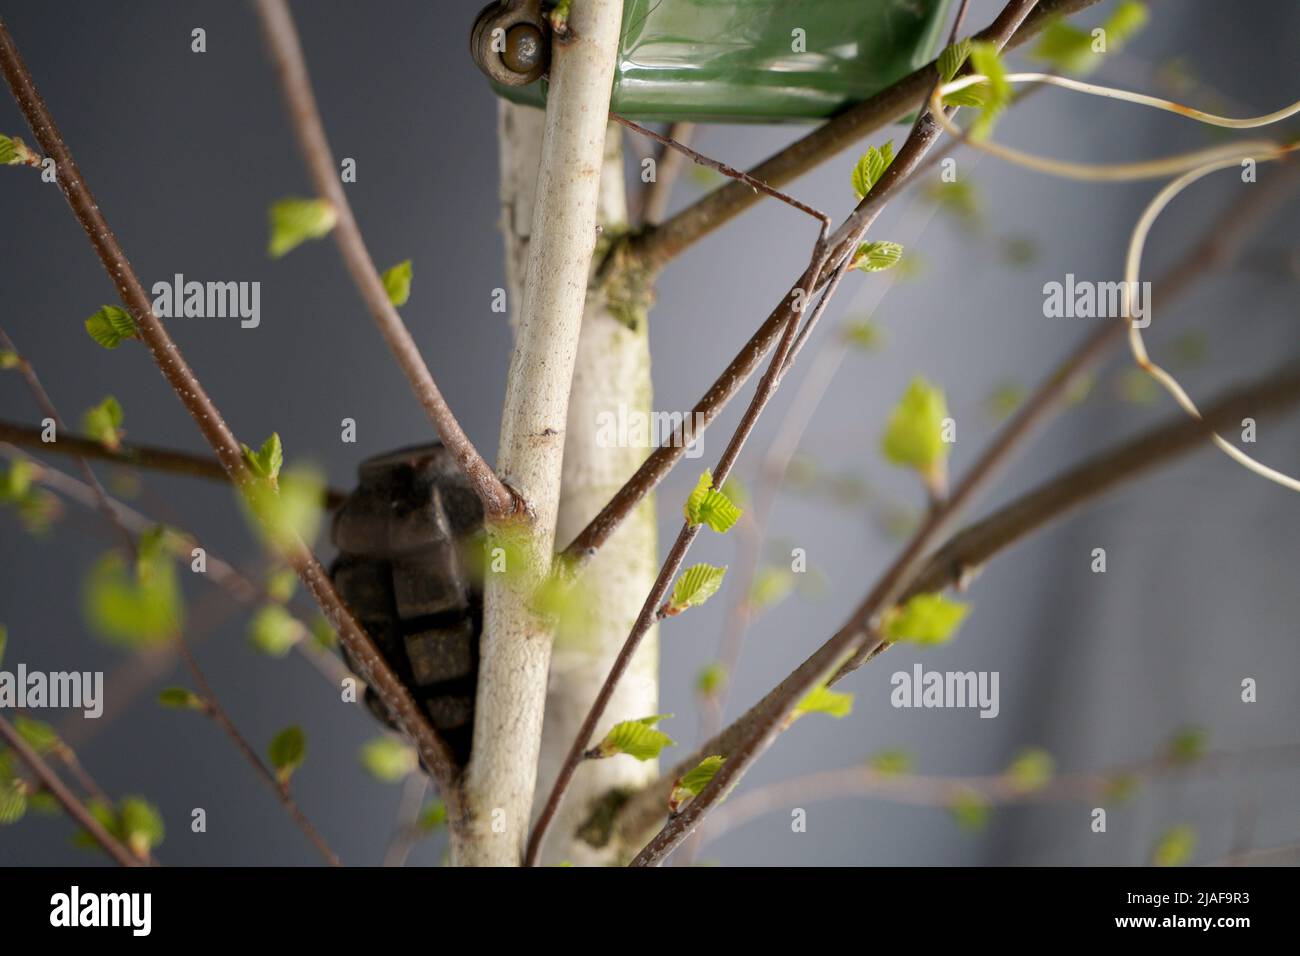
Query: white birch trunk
[612, 369]
[516, 645]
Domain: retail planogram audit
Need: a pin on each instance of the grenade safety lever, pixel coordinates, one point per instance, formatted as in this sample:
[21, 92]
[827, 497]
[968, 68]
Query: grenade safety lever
[511, 41]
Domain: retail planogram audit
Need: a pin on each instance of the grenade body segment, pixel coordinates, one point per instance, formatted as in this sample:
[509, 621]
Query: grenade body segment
[402, 536]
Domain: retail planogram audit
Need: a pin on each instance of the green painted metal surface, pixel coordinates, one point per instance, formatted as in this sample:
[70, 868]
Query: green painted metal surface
[741, 61]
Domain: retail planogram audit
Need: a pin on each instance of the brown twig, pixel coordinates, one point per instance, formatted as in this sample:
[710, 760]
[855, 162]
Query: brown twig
[374, 669]
[130, 455]
[730, 172]
[74, 807]
[656, 246]
[211, 706]
[304, 115]
[46, 405]
[749, 735]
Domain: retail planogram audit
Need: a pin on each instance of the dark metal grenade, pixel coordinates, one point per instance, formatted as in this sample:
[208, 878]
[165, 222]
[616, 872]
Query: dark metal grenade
[403, 537]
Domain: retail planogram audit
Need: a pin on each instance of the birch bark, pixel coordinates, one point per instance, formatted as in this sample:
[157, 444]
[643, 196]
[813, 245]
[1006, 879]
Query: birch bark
[516, 644]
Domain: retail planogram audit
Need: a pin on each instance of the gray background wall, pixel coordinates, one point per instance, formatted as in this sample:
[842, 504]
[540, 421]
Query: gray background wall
[185, 152]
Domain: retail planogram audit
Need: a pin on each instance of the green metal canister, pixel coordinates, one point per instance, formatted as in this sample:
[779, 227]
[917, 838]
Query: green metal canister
[760, 61]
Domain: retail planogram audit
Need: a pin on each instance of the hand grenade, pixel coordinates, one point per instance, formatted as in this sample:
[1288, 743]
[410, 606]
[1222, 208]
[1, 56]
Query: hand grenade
[403, 537]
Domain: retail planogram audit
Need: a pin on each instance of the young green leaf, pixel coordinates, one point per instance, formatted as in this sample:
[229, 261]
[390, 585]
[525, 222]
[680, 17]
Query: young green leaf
[1002, 402]
[397, 283]
[106, 816]
[111, 326]
[864, 335]
[433, 816]
[709, 506]
[976, 97]
[1066, 48]
[9, 360]
[691, 783]
[137, 606]
[772, 585]
[1175, 847]
[959, 200]
[281, 583]
[323, 633]
[44, 803]
[274, 631]
[870, 167]
[952, 58]
[1122, 787]
[1031, 770]
[180, 698]
[636, 738]
[388, 760]
[287, 751]
[970, 809]
[891, 763]
[39, 735]
[913, 437]
[1188, 745]
[925, 619]
[292, 511]
[37, 509]
[103, 423]
[140, 825]
[985, 59]
[876, 256]
[16, 482]
[697, 585]
[14, 152]
[1125, 20]
[294, 221]
[735, 489]
[823, 700]
[268, 460]
[13, 801]
[711, 679]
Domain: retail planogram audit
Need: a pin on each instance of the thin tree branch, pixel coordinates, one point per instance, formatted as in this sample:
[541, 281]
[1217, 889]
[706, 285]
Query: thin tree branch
[730, 172]
[748, 736]
[46, 404]
[656, 246]
[128, 455]
[211, 706]
[74, 807]
[304, 115]
[375, 670]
